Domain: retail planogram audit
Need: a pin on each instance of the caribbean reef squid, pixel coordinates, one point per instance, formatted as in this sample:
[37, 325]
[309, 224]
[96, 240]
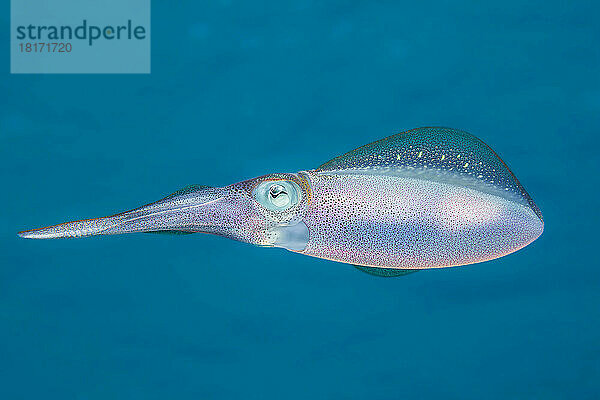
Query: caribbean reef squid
[425, 198]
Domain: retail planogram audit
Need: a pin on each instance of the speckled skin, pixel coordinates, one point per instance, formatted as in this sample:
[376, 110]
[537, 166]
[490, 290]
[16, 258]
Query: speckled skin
[408, 223]
[426, 198]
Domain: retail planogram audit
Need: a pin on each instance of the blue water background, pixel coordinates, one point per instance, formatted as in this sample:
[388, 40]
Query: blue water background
[240, 89]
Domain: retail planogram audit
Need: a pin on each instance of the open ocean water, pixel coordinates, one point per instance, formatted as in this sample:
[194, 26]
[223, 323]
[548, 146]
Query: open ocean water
[241, 89]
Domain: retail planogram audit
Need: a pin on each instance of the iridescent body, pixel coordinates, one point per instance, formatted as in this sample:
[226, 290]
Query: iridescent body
[426, 198]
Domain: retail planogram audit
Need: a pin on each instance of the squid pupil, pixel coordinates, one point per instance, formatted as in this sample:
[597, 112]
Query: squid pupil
[276, 191]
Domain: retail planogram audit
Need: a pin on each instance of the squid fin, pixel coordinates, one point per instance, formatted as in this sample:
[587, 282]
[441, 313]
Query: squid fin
[172, 232]
[384, 272]
[434, 153]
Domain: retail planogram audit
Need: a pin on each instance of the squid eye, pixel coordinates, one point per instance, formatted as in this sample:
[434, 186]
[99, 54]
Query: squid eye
[277, 196]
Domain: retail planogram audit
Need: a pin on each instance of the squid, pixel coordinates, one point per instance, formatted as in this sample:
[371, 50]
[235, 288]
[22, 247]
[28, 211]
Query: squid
[426, 198]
